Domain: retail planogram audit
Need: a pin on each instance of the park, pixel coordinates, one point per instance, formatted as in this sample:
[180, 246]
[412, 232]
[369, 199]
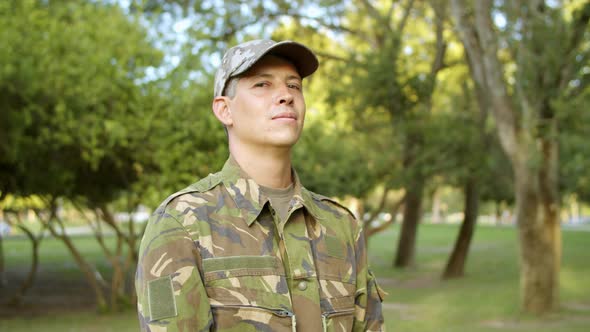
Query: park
[455, 131]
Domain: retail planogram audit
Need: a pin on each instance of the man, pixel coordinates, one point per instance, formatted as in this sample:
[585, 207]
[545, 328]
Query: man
[249, 248]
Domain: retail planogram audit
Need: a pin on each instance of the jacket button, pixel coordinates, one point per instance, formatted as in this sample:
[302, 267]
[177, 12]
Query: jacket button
[302, 285]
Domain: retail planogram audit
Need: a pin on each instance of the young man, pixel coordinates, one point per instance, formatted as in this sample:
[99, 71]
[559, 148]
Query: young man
[249, 248]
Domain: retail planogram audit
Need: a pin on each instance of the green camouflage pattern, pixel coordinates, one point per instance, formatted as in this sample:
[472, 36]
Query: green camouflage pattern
[240, 58]
[216, 257]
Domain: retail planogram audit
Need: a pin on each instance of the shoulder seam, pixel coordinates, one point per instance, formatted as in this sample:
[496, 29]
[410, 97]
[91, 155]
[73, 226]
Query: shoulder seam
[195, 187]
[333, 201]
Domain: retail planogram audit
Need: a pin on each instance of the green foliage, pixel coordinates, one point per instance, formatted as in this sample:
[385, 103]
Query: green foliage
[464, 146]
[70, 97]
[548, 49]
[574, 121]
[336, 163]
[184, 143]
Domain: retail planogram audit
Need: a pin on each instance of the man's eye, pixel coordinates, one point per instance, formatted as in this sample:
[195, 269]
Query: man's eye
[261, 84]
[294, 86]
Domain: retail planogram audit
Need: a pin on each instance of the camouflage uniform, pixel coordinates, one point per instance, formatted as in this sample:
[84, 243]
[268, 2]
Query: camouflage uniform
[215, 256]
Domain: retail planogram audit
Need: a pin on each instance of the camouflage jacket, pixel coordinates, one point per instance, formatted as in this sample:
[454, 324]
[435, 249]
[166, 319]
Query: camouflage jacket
[215, 257]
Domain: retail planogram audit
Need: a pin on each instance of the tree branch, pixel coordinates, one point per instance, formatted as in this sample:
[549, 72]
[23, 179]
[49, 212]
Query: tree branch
[441, 45]
[402, 24]
[502, 108]
[372, 10]
[233, 29]
[380, 22]
[374, 230]
[332, 56]
[336, 27]
[578, 25]
[390, 11]
[486, 71]
[107, 217]
[379, 208]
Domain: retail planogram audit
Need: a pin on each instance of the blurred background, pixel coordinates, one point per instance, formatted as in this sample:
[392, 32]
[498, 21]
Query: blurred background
[456, 130]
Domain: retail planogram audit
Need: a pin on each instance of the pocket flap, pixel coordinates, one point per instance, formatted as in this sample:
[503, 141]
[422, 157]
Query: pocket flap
[239, 262]
[237, 266]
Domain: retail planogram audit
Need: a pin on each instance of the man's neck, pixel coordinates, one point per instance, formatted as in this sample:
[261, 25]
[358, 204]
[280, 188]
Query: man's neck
[270, 168]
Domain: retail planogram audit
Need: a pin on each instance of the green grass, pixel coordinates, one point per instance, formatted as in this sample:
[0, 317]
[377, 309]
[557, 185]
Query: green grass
[54, 257]
[486, 299]
[74, 322]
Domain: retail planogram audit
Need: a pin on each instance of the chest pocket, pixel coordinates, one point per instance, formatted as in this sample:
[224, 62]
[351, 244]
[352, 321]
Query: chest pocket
[248, 293]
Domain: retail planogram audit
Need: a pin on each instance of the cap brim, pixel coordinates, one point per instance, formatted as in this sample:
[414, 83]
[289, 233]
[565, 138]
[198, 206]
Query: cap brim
[298, 54]
[302, 57]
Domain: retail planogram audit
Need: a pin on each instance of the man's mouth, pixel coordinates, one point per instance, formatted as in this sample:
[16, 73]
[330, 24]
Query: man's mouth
[285, 115]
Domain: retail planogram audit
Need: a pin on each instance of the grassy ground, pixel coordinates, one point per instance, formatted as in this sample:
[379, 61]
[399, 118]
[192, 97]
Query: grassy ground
[486, 299]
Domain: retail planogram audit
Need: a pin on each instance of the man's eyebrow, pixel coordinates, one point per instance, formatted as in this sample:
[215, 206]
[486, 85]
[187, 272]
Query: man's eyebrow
[294, 77]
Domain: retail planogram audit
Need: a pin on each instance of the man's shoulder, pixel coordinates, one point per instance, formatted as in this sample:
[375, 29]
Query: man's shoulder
[338, 219]
[330, 204]
[199, 193]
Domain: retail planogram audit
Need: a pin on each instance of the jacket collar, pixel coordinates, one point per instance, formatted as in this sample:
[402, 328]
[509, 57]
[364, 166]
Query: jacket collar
[250, 200]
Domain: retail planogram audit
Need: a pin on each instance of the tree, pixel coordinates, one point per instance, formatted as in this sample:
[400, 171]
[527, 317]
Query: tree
[12, 209]
[71, 98]
[396, 88]
[526, 119]
[471, 157]
[574, 121]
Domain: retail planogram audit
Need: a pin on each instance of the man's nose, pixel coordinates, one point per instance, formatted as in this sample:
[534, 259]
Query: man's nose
[284, 96]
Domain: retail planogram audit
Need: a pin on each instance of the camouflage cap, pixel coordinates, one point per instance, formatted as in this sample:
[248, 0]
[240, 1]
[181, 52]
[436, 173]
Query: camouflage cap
[241, 57]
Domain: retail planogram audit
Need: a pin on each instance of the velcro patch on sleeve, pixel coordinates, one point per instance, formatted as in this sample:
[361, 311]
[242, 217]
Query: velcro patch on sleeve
[161, 298]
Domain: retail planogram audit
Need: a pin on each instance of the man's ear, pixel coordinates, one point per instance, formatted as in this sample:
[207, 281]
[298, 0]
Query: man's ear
[222, 112]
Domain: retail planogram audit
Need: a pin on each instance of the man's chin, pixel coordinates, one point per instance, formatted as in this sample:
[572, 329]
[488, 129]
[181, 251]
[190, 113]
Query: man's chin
[283, 142]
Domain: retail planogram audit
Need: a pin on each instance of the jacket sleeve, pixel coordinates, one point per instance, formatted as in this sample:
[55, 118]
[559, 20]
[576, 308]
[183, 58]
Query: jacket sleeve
[170, 291]
[368, 297]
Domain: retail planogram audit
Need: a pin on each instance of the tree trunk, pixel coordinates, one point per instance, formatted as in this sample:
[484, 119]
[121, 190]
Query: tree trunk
[530, 144]
[456, 264]
[120, 266]
[132, 254]
[117, 278]
[539, 232]
[539, 246]
[436, 208]
[89, 271]
[2, 272]
[405, 255]
[28, 282]
[498, 214]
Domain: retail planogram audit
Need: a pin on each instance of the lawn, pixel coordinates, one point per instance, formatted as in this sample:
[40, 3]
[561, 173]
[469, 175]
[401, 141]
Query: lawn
[486, 299]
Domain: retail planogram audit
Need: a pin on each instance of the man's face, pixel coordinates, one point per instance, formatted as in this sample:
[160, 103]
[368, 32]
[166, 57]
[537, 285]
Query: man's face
[268, 108]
